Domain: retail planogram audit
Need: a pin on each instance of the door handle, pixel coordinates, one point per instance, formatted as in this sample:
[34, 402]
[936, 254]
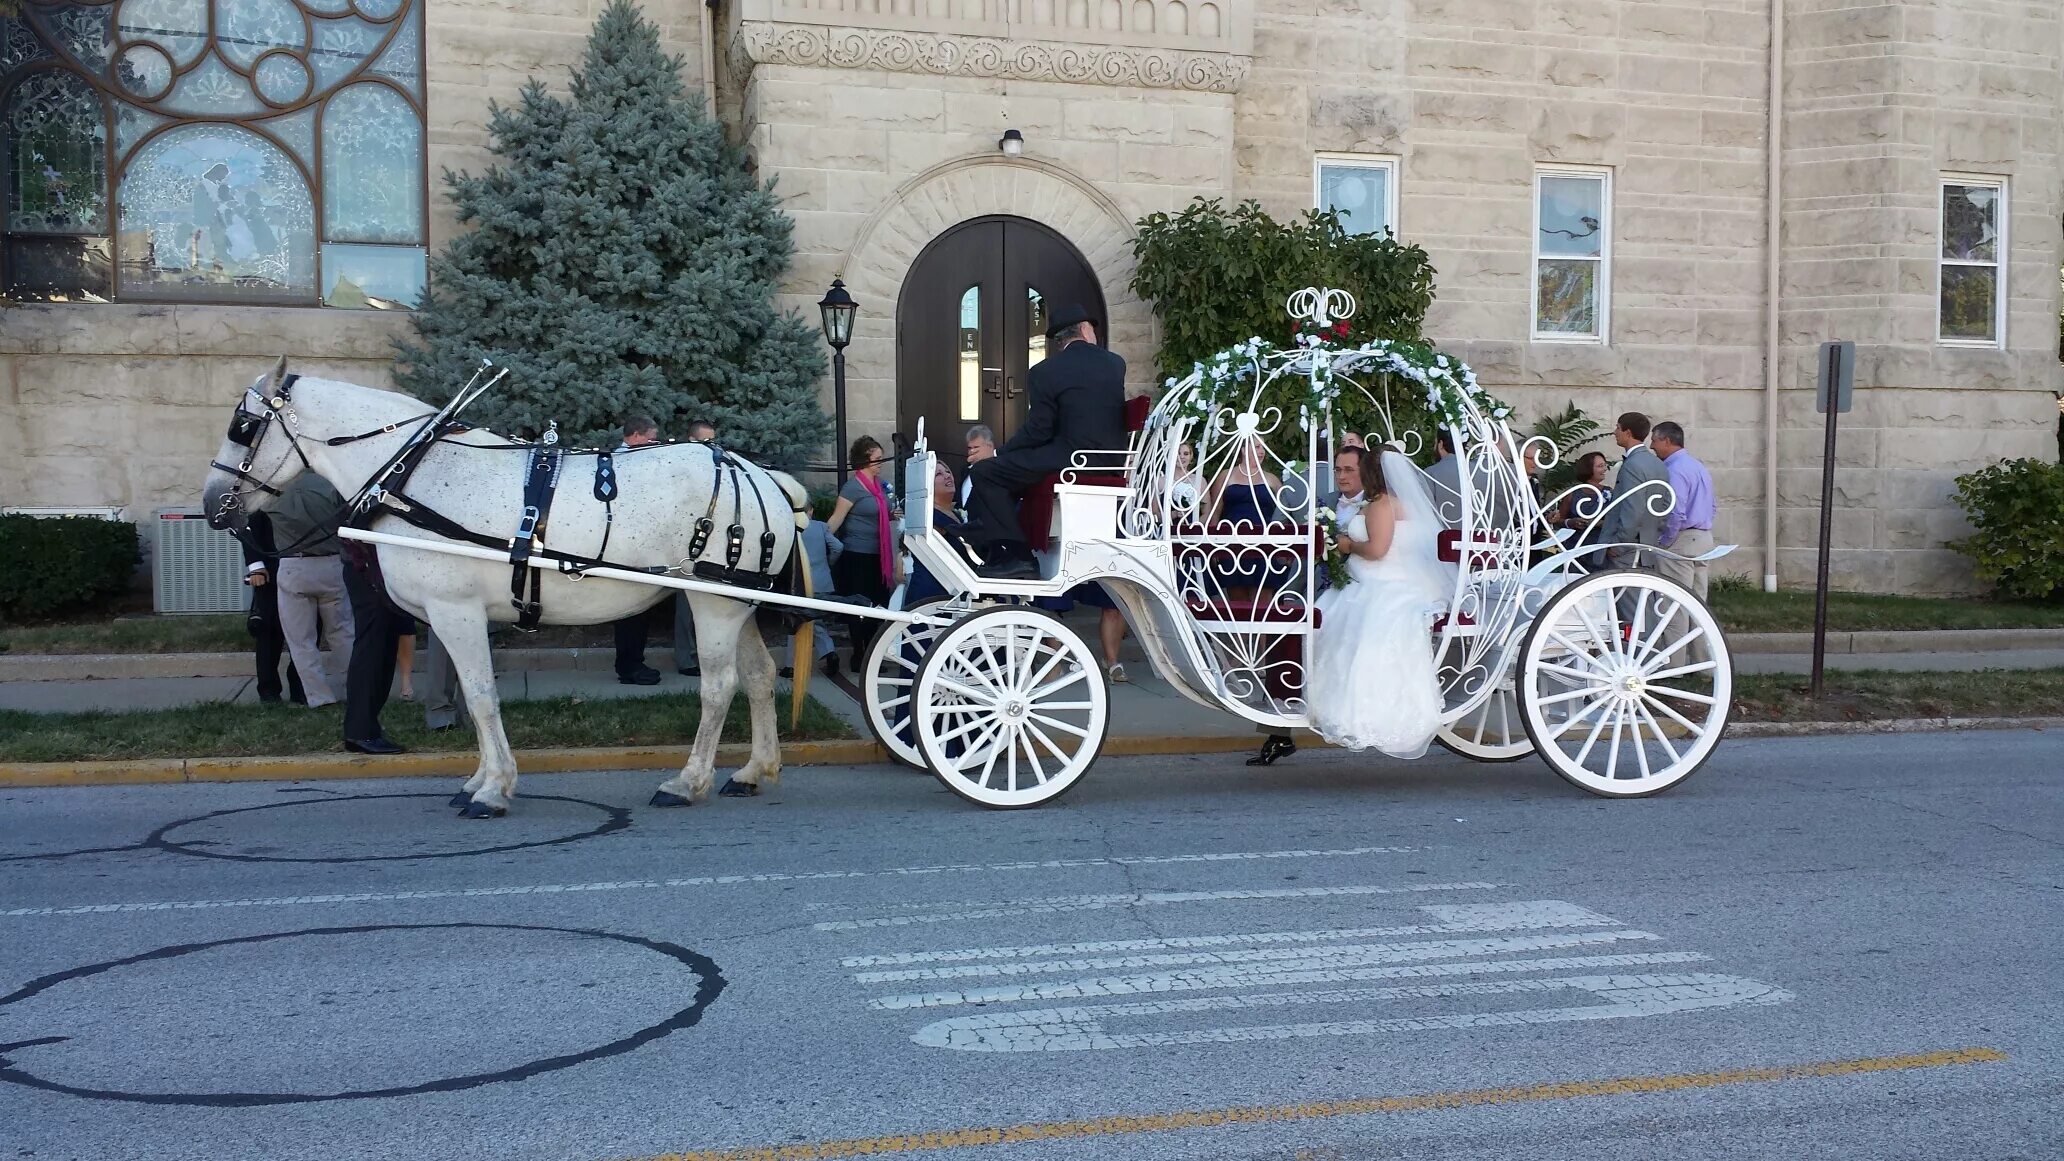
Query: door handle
[1011, 387]
[995, 381]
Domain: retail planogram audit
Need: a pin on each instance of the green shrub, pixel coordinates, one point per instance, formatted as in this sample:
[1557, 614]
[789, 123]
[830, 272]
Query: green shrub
[2017, 507]
[63, 564]
[1218, 277]
[1568, 431]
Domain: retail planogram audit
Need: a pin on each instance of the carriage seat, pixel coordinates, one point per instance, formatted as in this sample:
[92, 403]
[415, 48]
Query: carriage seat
[1036, 507]
[1483, 549]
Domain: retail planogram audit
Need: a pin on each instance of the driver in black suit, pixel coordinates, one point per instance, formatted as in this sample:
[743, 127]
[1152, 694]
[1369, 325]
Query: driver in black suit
[1076, 403]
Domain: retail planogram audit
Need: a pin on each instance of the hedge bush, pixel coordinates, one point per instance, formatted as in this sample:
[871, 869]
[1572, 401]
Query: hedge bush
[63, 564]
[2017, 507]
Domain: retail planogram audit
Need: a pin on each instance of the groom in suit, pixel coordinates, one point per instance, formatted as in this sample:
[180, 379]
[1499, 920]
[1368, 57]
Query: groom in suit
[1076, 403]
[1642, 479]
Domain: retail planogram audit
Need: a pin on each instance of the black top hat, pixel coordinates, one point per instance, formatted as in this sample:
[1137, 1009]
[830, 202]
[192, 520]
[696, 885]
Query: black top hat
[1069, 317]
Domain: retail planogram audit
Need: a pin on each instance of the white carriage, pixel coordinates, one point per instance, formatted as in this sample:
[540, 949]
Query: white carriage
[1619, 679]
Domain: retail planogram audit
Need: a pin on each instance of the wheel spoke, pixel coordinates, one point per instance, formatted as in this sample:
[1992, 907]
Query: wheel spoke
[1605, 643]
[1596, 728]
[1058, 683]
[967, 668]
[1662, 737]
[1010, 746]
[1696, 731]
[1058, 724]
[1687, 695]
[1682, 671]
[1575, 675]
[977, 696]
[1578, 719]
[1612, 756]
[1059, 655]
[1032, 728]
[1559, 698]
[962, 730]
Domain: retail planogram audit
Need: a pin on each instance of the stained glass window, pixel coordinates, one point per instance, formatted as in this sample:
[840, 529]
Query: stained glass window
[1572, 255]
[214, 151]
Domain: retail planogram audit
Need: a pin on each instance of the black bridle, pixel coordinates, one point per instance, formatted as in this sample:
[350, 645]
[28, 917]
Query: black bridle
[248, 428]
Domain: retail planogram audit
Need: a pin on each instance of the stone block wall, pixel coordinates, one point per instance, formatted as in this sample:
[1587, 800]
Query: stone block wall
[1881, 101]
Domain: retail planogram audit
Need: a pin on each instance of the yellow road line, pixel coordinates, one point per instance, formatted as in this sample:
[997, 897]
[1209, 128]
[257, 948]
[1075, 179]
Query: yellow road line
[1115, 1126]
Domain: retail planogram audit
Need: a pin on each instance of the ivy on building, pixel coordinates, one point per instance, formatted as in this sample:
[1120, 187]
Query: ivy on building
[620, 259]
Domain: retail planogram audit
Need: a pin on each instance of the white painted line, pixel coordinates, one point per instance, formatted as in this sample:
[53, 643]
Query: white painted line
[1361, 965]
[1468, 917]
[1138, 899]
[699, 881]
[1079, 1029]
[1331, 955]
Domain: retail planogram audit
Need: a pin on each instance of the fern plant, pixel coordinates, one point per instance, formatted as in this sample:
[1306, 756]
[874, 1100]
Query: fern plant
[1568, 429]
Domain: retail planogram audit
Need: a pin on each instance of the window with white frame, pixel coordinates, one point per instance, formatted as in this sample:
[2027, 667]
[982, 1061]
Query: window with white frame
[1360, 187]
[1971, 299]
[1572, 254]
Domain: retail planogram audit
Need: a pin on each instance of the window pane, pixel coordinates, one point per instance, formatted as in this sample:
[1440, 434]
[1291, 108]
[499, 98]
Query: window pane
[971, 354]
[1361, 195]
[341, 45]
[58, 269]
[373, 277]
[1568, 297]
[17, 44]
[1970, 222]
[82, 33]
[1572, 216]
[214, 212]
[402, 62]
[372, 167]
[248, 29]
[1035, 326]
[57, 151]
[1969, 299]
[212, 90]
[180, 27]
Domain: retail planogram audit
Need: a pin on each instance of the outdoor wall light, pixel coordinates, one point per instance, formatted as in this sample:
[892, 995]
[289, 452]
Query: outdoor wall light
[1012, 143]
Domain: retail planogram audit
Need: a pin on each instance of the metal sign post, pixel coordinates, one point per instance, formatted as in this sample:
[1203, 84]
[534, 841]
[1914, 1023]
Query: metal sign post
[1837, 383]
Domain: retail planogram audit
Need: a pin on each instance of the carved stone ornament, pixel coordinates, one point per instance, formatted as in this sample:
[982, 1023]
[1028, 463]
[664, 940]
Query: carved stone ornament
[762, 42]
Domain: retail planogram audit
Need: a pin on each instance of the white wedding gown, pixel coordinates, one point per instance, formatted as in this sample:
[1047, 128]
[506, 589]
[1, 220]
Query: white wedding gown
[1372, 682]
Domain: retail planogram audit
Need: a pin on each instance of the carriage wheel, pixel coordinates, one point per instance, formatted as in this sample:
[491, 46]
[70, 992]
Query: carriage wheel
[1494, 731]
[1625, 683]
[1011, 707]
[890, 675]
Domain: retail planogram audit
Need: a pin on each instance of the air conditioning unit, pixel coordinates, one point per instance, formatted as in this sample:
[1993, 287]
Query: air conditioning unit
[195, 568]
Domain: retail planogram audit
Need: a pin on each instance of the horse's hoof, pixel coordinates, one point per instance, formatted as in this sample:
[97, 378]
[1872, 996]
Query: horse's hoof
[668, 798]
[461, 800]
[733, 788]
[482, 810]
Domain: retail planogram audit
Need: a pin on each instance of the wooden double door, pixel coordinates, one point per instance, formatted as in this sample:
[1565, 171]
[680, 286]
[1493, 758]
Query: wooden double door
[971, 323]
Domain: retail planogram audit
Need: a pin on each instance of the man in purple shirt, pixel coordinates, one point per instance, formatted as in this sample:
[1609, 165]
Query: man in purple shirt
[1688, 531]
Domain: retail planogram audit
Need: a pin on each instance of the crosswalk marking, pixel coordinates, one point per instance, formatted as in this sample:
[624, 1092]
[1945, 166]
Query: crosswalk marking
[1068, 903]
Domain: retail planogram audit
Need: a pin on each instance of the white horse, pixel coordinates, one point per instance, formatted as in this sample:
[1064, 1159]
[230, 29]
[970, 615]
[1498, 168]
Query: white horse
[348, 433]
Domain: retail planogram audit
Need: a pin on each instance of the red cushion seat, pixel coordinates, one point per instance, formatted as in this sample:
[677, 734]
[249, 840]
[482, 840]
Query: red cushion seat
[1036, 507]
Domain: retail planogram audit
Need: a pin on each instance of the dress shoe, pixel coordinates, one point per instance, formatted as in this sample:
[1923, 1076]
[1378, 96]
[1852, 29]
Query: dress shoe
[829, 665]
[374, 746]
[643, 675]
[1012, 568]
[785, 672]
[691, 671]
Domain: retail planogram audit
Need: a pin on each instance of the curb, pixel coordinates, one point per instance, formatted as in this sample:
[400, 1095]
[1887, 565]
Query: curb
[461, 763]
[107, 666]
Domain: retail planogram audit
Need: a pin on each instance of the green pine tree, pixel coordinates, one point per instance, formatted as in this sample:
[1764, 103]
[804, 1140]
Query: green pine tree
[620, 260]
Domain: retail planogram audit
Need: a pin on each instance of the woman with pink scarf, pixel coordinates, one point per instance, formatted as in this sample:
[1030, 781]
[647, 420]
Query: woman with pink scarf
[864, 524]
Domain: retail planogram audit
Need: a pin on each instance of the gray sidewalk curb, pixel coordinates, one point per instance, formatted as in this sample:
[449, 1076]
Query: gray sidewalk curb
[857, 752]
[101, 666]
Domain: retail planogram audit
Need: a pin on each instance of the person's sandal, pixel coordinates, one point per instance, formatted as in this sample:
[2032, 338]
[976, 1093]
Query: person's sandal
[1117, 673]
[1276, 746]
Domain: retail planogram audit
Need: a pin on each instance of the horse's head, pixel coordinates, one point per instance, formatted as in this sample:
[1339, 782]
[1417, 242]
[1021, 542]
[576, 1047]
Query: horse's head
[258, 456]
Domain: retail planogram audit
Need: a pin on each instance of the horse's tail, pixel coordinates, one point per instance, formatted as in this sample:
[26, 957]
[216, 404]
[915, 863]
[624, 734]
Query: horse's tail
[798, 496]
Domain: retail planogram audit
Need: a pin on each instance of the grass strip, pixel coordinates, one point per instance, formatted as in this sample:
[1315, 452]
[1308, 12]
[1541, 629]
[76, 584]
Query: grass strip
[225, 730]
[1879, 695]
[1753, 611]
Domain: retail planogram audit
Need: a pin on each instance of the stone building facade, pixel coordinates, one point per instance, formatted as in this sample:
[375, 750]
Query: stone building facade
[1591, 178]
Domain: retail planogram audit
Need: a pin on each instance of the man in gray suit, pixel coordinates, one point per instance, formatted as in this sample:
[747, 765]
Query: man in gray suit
[1447, 473]
[1641, 487]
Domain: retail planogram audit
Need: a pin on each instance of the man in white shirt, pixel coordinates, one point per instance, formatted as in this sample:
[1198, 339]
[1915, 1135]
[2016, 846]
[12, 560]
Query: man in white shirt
[1347, 483]
[981, 445]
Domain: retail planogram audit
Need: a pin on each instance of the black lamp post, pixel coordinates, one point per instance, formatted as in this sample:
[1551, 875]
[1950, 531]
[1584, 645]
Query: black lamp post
[837, 309]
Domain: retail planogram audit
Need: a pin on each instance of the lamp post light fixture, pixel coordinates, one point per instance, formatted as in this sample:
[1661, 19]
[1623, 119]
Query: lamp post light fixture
[1012, 143]
[836, 310]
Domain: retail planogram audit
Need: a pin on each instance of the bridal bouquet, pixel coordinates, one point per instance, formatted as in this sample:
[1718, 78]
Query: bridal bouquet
[1336, 564]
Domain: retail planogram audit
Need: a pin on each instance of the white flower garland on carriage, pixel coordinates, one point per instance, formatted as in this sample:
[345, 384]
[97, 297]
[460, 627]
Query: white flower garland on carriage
[1206, 533]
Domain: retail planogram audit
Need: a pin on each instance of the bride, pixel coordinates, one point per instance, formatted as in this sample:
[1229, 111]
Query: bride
[1372, 682]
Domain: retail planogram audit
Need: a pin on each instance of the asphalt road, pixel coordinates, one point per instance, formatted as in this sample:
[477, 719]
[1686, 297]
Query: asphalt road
[1822, 948]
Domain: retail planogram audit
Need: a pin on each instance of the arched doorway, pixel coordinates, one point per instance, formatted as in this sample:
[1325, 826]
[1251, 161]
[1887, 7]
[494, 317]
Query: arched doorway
[971, 322]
